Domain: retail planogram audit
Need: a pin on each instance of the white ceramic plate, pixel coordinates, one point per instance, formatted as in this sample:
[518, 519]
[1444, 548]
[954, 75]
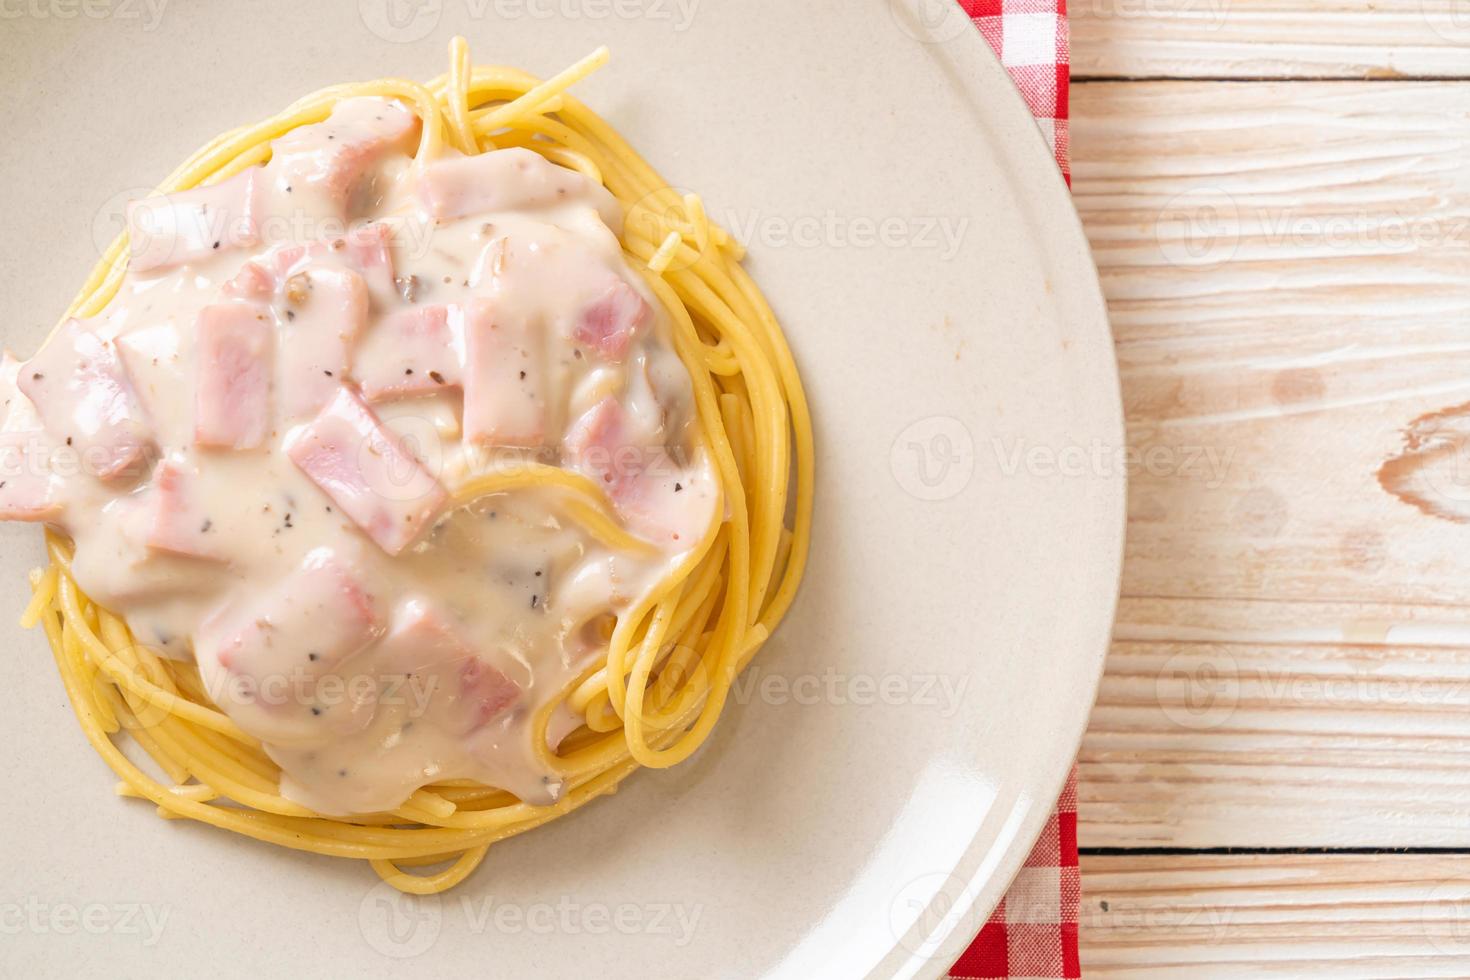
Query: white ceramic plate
[898, 745]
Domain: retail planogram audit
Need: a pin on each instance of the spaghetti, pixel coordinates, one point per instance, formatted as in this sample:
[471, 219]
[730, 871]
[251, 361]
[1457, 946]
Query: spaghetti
[671, 658]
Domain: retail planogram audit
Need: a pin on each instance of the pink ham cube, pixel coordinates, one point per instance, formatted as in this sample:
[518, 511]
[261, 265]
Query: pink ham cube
[484, 693]
[319, 614]
[365, 469]
[635, 471]
[412, 352]
[456, 186]
[329, 163]
[599, 445]
[608, 323]
[176, 520]
[234, 345]
[84, 398]
[365, 249]
[468, 692]
[504, 379]
[262, 656]
[253, 282]
[324, 310]
[187, 226]
[368, 250]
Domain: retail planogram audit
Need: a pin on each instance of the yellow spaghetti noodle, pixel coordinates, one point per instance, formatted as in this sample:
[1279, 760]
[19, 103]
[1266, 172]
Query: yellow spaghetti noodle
[670, 661]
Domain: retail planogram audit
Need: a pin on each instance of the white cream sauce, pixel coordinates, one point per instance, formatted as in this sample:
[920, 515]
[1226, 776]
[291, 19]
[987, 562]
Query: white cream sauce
[254, 444]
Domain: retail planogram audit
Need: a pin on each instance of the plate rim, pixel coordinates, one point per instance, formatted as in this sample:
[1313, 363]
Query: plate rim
[976, 64]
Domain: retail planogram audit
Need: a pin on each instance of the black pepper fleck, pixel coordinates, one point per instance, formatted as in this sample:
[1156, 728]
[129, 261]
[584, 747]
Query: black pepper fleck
[438, 378]
[316, 711]
[678, 487]
[204, 528]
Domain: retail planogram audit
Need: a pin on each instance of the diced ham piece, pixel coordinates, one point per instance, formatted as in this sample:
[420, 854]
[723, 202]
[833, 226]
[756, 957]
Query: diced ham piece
[607, 323]
[620, 452]
[505, 378]
[83, 396]
[328, 163]
[366, 250]
[175, 520]
[25, 478]
[456, 186]
[253, 282]
[412, 352]
[468, 691]
[232, 398]
[369, 250]
[599, 444]
[175, 229]
[261, 656]
[325, 311]
[484, 692]
[365, 469]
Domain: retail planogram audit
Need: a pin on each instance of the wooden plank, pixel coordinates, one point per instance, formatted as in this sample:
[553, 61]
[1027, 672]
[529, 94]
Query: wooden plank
[1270, 38]
[1286, 916]
[1288, 270]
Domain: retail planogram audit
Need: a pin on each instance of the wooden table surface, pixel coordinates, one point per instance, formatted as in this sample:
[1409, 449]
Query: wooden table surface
[1276, 779]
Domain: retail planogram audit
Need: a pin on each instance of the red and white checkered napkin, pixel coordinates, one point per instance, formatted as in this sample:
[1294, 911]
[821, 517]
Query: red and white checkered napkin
[1030, 38]
[1033, 932]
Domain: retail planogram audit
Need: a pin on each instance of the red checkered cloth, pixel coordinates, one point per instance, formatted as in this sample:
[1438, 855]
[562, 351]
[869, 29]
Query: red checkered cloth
[1030, 38]
[1033, 932]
